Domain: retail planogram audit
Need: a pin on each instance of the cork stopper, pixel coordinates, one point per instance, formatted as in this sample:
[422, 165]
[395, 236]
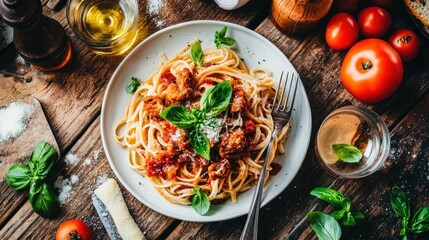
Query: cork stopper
[20, 14]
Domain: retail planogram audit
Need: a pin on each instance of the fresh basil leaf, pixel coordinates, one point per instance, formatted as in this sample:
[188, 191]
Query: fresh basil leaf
[43, 200]
[404, 232]
[197, 54]
[133, 85]
[199, 141]
[331, 196]
[358, 215]
[216, 99]
[347, 153]
[420, 222]
[42, 159]
[339, 214]
[349, 220]
[200, 201]
[221, 39]
[399, 203]
[19, 176]
[179, 116]
[325, 226]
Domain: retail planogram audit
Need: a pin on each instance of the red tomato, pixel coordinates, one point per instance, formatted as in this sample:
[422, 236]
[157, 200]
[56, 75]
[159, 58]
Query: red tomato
[374, 21]
[345, 5]
[406, 43]
[371, 70]
[73, 229]
[382, 3]
[342, 31]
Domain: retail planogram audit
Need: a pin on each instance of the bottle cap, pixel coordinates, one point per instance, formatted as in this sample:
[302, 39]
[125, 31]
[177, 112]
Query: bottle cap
[231, 4]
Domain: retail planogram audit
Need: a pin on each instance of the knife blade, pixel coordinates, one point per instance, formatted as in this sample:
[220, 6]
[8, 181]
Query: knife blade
[106, 218]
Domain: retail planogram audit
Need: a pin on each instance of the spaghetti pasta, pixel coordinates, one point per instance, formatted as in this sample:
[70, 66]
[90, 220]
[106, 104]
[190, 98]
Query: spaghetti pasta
[238, 136]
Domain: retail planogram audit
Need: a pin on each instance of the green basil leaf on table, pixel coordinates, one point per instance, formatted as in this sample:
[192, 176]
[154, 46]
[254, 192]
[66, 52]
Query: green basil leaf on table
[42, 159]
[358, 215]
[349, 220]
[399, 202]
[216, 99]
[19, 176]
[420, 222]
[331, 196]
[179, 116]
[221, 39]
[43, 200]
[200, 201]
[339, 214]
[133, 85]
[347, 153]
[199, 141]
[197, 54]
[325, 226]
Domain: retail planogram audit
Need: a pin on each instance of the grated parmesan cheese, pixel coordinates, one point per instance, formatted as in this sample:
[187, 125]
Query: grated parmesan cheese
[13, 120]
[176, 136]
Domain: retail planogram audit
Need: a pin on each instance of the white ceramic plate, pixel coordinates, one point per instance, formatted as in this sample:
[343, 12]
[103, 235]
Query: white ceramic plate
[144, 59]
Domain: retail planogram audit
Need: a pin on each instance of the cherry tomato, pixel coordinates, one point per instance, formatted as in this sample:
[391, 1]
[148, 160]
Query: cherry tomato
[382, 3]
[406, 43]
[342, 31]
[374, 21]
[73, 229]
[371, 70]
[345, 5]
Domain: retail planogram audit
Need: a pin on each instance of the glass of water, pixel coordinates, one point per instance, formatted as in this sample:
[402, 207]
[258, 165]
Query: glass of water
[106, 27]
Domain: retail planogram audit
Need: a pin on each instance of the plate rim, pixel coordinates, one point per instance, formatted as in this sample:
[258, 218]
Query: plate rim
[135, 51]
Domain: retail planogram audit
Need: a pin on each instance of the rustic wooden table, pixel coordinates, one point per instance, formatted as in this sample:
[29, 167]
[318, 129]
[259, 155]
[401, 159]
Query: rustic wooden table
[72, 96]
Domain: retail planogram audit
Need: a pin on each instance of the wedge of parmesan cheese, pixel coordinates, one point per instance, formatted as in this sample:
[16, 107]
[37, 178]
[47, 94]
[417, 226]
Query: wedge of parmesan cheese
[111, 196]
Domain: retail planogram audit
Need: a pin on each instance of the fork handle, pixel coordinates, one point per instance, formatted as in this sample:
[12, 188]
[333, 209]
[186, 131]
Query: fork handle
[250, 231]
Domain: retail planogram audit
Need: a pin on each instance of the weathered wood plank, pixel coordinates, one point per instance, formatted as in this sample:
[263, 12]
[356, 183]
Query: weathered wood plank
[319, 69]
[71, 97]
[91, 168]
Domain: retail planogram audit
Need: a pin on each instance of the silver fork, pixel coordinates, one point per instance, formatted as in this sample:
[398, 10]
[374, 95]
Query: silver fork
[281, 115]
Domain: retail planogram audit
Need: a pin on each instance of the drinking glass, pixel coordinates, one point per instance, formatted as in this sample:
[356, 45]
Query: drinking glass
[106, 27]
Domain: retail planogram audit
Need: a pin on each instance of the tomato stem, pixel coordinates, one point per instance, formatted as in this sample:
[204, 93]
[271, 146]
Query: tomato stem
[366, 65]
[404, 39]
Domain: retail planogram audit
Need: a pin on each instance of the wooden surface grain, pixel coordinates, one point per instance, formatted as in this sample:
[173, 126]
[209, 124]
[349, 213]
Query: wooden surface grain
[71, 99]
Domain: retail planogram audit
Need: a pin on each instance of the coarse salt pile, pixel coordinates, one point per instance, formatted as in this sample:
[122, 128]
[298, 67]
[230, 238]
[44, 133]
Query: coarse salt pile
[65, 187]
[154, 6]
[13, 120]
[71, 159]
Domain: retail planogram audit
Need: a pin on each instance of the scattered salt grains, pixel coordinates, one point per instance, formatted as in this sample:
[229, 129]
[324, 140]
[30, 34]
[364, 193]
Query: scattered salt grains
[160, 23]
[65, 187]
[13, 120]
[71, 159]
[100, 180]
[155, 6]
[95, 156]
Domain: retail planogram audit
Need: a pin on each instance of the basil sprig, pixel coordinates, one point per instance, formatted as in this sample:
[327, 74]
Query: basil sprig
[22, 176]
[197, 54]
[221, 39]
[200, 201]
[420, 221]
[133, 85]
[347, 153]
[213, 102]
[339, 201]
[325, 226]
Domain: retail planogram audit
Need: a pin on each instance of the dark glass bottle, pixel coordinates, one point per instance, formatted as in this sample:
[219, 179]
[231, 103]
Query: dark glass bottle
[40, 40]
